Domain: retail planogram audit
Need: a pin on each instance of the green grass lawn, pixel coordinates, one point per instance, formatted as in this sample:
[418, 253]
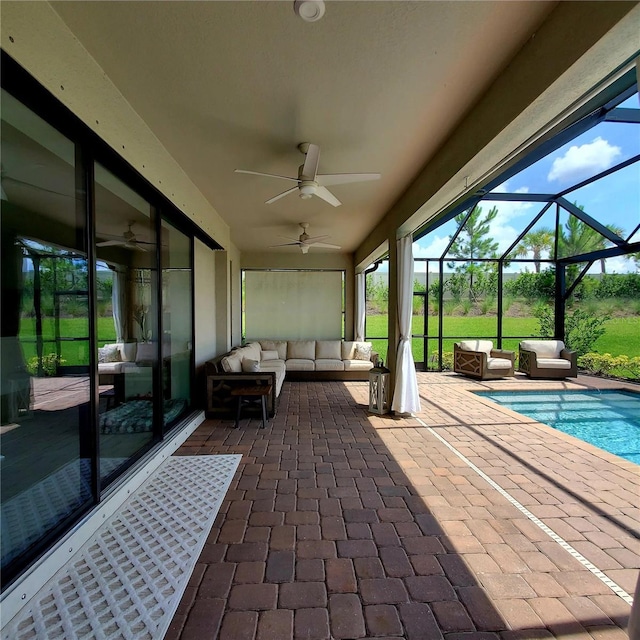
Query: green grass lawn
[74, 353]
[622, 335]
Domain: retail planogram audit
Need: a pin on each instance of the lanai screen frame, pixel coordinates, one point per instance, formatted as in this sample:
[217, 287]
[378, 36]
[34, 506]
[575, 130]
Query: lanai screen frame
[606, 111]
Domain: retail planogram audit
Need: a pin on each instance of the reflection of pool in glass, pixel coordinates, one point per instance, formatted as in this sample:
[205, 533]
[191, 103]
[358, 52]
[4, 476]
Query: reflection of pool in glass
[609, 420]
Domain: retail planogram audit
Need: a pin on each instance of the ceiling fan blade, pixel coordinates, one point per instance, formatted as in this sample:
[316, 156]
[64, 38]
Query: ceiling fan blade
[346, 178]
[268, 175]
[315, 239]
[286, 244]
[324, 245]
[281, 195]
[327, 196]
[289, 238]
[110, 243]
[310, 168]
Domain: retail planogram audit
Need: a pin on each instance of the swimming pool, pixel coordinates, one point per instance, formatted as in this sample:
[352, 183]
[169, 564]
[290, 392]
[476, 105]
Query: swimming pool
[609, 420]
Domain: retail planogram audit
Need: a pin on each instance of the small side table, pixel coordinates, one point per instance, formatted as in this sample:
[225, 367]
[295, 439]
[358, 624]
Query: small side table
[255, 391]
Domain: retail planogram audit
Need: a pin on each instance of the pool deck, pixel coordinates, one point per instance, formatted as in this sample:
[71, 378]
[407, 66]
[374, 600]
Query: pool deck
[467, 521]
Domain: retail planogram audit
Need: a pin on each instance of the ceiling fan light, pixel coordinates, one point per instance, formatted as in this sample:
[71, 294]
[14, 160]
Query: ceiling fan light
[307, 190]
[309, 10]
[304, 248]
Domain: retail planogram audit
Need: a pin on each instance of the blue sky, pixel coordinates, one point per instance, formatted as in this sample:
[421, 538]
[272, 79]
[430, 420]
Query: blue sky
[612, 200]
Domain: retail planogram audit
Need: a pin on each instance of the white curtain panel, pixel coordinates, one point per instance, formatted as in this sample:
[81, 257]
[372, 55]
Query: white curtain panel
[406, 398]
[360, 306]
[118, 304]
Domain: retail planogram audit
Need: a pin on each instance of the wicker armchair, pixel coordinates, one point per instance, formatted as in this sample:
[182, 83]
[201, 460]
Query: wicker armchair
[547, 359]
[478, 359]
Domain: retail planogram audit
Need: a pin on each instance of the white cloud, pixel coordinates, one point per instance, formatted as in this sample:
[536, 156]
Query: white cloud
[434, 249]
[584, 161]
[501, 228]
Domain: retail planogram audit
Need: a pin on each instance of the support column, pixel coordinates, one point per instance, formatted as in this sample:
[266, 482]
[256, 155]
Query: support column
[561, 287]
[392, 306]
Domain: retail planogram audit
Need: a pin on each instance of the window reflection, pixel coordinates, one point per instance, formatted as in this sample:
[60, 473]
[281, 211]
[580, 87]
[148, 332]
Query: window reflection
[177, 326]
[45, 417]
[126, 274]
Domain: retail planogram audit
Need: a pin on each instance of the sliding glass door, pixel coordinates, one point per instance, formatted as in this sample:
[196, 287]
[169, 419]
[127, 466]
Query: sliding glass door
[45, 429]
[177, 323]
[127, 329]
[96, 359]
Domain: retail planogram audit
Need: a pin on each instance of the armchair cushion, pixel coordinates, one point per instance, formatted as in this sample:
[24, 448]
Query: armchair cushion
[498, 363]
[483, 346]
[543, 348]
[553, 363]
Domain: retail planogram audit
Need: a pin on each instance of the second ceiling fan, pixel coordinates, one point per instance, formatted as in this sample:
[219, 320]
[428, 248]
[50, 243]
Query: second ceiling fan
[309, 182]
[305, 241]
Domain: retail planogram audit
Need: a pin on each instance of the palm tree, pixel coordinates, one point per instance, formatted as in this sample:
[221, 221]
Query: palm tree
[536, 242]
[577, 238]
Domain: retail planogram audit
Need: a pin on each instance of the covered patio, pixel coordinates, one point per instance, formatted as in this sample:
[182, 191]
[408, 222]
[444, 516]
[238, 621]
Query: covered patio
[465, 521]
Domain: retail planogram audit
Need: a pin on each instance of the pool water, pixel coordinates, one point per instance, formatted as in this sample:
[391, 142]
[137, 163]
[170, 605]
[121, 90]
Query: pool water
[609, 420]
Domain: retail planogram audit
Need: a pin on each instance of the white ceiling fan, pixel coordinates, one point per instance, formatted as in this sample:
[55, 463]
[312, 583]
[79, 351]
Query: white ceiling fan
[310, 182]
[127, 239]
[305, 241]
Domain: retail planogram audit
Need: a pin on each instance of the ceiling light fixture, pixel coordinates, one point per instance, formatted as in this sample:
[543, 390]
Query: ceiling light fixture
[309, 10]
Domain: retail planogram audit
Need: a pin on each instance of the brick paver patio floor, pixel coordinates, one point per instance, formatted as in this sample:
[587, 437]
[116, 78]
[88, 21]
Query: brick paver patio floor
[467, 521]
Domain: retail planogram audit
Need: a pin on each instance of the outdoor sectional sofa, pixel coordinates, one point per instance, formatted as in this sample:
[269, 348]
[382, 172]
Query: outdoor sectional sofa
[270, 361]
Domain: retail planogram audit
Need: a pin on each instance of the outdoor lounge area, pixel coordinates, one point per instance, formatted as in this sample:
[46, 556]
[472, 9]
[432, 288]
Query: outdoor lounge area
[294, 296]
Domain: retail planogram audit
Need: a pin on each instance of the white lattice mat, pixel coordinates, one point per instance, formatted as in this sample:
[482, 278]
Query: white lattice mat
[127, 580]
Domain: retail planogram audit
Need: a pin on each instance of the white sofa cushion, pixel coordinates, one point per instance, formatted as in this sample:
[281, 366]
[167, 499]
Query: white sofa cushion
[553, 363]
[109, 368]
[543, 348]
[483, 346]
[498, 363]
[275, 345]
[232, 363]
[328, 350]
[349, 349]
[128, 351]
[301, 350]
[253, 350]
[269, 355]
[329, 364]
[146, 352]
[277, 367]
[300, 364]
[357, 365]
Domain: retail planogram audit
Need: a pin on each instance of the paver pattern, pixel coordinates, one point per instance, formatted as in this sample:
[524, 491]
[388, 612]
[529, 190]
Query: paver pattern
[341, 524]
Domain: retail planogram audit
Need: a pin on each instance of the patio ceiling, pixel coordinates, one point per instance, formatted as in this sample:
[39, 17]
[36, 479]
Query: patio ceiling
[379, 86]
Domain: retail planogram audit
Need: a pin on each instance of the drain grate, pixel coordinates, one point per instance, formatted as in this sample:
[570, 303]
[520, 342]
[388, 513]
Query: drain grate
[127, 580]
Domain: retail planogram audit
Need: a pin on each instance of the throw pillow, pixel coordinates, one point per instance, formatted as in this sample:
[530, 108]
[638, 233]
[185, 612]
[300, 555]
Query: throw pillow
[108, 353]
[363, 352]
[269, 355]
[250, 366]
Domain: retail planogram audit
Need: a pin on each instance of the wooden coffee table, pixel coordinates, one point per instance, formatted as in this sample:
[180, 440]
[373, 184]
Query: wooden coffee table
[260, 391]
